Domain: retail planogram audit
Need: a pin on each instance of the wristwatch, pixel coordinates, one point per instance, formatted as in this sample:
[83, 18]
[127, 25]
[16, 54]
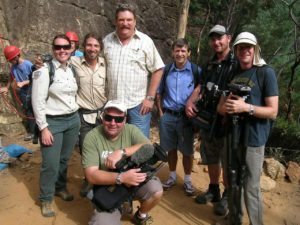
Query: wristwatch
[118, 179]
[150, 98]
[251, 110]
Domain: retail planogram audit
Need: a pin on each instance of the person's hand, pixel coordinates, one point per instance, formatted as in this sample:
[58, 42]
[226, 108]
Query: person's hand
[47, 137]
[4, 90]
[147, 106]
[20, 84]
[112, 159]
[190, 109]
[235, 104]
[133, 177]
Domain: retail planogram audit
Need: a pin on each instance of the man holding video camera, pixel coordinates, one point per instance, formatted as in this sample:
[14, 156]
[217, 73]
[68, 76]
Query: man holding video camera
[216, 74]
[249, 122]
[103, 147]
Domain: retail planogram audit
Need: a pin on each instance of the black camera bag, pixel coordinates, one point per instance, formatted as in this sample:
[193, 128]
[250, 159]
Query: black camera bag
[108, 198]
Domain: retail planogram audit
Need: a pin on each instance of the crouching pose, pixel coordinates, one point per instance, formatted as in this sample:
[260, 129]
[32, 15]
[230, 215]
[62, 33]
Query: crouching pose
[103, 147]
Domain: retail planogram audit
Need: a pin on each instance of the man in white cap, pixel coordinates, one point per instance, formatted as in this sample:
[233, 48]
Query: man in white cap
[254, 117]
[216, 74]
[103, 147]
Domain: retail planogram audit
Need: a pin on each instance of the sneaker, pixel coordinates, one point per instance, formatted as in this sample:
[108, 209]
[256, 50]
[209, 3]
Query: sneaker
[168, 184]
[211, 195]
[65, 195]
[221, 207]
[28, 137]
[138, 221]
[86, 187]
[188, 188]
[47, 210]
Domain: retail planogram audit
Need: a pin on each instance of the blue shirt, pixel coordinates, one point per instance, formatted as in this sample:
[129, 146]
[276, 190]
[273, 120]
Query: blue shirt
[77, 53]
[178, 87]
[22, 72]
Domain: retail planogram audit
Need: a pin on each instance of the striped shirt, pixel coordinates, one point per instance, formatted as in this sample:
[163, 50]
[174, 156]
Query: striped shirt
[129, 67]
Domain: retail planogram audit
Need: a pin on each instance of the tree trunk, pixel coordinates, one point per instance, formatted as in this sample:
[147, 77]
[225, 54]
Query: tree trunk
[183, 18]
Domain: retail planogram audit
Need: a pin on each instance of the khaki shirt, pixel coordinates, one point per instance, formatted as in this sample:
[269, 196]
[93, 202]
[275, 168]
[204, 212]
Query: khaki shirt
[129, 67]
[59, 98]
[91, 93]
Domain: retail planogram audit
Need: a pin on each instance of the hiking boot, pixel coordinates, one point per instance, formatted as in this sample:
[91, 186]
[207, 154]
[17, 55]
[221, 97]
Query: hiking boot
[35, 140]
[169, 183]
[138, 221]
[47, 210]
[211, 195]
[28, 137]
[188, 188]
[221, 207]
[65, 195]
[86, 187]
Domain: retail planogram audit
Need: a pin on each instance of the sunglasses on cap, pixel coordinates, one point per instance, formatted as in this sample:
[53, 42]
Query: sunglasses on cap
[59, 47]
[109, 118]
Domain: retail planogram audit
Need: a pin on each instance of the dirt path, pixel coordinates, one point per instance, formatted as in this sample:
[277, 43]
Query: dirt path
[19, 204]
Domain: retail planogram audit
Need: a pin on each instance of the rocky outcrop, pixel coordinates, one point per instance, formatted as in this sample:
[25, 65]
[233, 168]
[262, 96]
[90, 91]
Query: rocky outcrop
[293, 172]
[274, 169]
[32, 24]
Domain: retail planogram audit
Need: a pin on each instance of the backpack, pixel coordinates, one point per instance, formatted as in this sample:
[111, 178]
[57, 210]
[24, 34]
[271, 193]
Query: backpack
[167, 68]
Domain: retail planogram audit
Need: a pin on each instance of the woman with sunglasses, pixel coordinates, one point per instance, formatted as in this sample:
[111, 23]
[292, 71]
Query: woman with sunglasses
[55, 109]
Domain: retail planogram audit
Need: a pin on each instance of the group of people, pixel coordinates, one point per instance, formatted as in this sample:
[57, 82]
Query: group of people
[108, 101]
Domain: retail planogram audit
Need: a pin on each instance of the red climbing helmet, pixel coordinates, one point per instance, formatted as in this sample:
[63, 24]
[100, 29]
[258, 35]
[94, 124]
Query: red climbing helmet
[72, 36]
[10, 52]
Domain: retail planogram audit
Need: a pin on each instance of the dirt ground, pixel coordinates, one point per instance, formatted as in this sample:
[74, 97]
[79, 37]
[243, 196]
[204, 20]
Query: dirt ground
[19, 189]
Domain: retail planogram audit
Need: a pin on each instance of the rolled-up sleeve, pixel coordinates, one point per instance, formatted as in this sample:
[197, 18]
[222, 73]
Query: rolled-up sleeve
[40, 87]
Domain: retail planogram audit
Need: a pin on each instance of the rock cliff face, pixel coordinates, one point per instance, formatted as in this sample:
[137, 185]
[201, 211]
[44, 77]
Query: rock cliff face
[32, 24]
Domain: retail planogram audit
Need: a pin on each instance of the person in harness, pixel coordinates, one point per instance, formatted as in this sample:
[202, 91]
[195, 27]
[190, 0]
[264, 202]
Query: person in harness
[21, 72]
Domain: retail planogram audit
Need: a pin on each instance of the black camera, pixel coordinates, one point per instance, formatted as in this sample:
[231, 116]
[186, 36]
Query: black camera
[145, 158]
[239, 90]
[46, 57]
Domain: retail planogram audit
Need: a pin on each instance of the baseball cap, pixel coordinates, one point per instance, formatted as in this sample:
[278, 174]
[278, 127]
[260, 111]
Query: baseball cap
[116, 104]
[245, 37]
[218, 29]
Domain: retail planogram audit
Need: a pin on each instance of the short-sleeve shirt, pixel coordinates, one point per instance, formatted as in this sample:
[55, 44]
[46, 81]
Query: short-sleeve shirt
[97, 147]
[129, 67]
[22, 72]
[178, 87]
[259, 129]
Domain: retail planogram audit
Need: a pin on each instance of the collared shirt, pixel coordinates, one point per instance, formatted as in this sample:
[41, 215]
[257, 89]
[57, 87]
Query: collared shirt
[59, 98]
[178, 87]
[91, 92]
[128, 67]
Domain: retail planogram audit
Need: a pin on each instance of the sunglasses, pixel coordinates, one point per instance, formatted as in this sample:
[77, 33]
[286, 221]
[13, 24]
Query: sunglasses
[118, 119]
[59, 47]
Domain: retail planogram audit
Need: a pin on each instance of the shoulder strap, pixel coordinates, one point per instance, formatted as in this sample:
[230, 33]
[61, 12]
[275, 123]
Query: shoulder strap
[164, 77]
[195, 73]
[51, 72]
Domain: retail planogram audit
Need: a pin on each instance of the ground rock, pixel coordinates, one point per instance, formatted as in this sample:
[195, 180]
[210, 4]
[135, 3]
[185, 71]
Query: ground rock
[267, 184]
[293, 172]
[274, 169]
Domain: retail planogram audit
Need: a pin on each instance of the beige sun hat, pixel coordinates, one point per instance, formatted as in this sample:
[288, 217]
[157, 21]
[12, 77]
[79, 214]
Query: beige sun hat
[116, 104]
[248, 38]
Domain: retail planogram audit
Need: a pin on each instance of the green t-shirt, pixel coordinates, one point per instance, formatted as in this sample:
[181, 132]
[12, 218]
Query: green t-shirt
[96, 146]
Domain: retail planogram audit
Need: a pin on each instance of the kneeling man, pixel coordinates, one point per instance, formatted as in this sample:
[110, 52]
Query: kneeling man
[103, 147]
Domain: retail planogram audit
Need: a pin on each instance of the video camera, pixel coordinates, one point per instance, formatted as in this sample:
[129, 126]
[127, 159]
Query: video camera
[239, 90]
[145, 158]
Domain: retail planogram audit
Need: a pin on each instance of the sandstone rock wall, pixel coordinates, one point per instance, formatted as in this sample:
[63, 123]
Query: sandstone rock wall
[32, 24]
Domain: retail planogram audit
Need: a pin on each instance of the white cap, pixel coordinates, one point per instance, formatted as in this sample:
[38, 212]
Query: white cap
[248, 38]
[116, 104]
[218, 29]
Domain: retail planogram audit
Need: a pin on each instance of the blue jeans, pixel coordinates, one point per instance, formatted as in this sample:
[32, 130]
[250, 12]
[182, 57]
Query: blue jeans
[53, 175]
[141, 121]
